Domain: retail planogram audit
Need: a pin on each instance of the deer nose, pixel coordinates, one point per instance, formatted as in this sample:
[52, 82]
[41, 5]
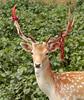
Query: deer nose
[37, 65]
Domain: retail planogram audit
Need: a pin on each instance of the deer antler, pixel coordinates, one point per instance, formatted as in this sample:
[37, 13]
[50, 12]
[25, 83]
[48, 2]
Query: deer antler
[20, 33]
[63, 35]
[58, 42]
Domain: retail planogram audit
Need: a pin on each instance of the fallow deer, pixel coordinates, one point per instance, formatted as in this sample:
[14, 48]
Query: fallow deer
[57, 86]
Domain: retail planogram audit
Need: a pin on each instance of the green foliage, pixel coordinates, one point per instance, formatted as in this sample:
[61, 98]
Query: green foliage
[17, 79]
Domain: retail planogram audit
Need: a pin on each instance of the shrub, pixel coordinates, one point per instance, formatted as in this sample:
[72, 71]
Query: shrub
[17, 79]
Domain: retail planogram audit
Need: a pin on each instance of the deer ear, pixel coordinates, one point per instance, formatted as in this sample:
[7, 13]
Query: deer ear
[52, 46]
[27, 47]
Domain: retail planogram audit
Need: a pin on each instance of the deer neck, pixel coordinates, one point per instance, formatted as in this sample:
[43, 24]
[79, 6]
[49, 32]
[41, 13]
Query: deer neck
[45, 78]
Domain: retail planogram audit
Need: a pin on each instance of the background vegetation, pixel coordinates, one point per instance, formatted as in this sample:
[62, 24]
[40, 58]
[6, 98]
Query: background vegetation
[52, 2]
[17, 79]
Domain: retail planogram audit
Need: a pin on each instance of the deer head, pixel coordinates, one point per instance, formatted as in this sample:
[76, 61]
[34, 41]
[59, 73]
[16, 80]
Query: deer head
[38, 50]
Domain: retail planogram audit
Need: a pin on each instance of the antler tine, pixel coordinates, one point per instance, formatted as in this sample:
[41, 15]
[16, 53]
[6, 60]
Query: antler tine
[20, 33]
[70, 24]
[32, 38]
[49, 37]
[69, 28]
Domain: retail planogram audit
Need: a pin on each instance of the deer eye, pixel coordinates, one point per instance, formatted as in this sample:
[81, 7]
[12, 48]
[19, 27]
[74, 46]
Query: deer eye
[31, 53]
[47, 53]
